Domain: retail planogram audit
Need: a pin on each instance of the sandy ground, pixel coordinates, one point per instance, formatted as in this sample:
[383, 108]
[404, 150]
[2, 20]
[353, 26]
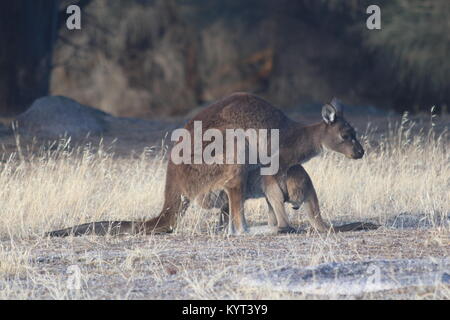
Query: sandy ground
[214, 267]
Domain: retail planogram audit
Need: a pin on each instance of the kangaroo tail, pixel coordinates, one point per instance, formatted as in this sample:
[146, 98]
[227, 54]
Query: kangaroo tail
[165, 222]
[355, 226]
[174, 205]
[100, 229]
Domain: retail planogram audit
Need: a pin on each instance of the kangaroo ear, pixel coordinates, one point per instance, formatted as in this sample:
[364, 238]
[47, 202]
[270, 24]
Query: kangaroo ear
[338, 106]
[328, 114]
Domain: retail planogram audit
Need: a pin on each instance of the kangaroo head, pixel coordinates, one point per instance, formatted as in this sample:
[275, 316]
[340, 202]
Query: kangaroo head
[339, 135]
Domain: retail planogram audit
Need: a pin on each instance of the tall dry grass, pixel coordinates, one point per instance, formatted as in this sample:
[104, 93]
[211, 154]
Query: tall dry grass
[403, 181]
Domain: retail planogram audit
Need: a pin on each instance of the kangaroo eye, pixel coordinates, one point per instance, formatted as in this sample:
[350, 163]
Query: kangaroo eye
[345, 136]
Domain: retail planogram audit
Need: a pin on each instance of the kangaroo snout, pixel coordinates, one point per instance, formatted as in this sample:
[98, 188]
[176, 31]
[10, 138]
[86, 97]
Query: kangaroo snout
[358, 154]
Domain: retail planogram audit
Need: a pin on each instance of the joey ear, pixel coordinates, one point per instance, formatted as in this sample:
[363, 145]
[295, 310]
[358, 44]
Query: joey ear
[328, 114]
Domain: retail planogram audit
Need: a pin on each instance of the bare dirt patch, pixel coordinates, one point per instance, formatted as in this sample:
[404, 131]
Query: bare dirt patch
[182, 266]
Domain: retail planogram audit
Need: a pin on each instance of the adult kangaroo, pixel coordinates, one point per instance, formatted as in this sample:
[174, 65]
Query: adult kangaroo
[297, 144]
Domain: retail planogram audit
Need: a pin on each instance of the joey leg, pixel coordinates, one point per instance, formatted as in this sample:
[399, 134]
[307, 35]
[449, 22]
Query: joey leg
[275, 199]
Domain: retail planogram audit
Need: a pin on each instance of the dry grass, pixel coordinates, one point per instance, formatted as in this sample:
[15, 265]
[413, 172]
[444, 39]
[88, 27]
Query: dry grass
[402, 183]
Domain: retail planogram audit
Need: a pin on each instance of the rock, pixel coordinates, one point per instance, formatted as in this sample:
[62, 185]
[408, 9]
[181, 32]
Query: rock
[55, 116]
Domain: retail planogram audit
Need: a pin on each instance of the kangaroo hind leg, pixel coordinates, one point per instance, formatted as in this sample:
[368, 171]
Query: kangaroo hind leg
[236, 196]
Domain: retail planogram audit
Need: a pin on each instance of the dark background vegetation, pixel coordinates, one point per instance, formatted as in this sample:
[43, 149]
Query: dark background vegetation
[163, 58]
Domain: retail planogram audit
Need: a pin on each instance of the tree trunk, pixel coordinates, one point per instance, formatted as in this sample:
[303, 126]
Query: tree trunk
[28, 29]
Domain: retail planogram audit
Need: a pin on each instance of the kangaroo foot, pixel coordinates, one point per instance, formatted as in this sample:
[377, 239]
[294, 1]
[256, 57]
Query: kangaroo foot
[232, 231]
[356, 226]
[287, 229]
[220, 227]
[237, 233]
[160, 230]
